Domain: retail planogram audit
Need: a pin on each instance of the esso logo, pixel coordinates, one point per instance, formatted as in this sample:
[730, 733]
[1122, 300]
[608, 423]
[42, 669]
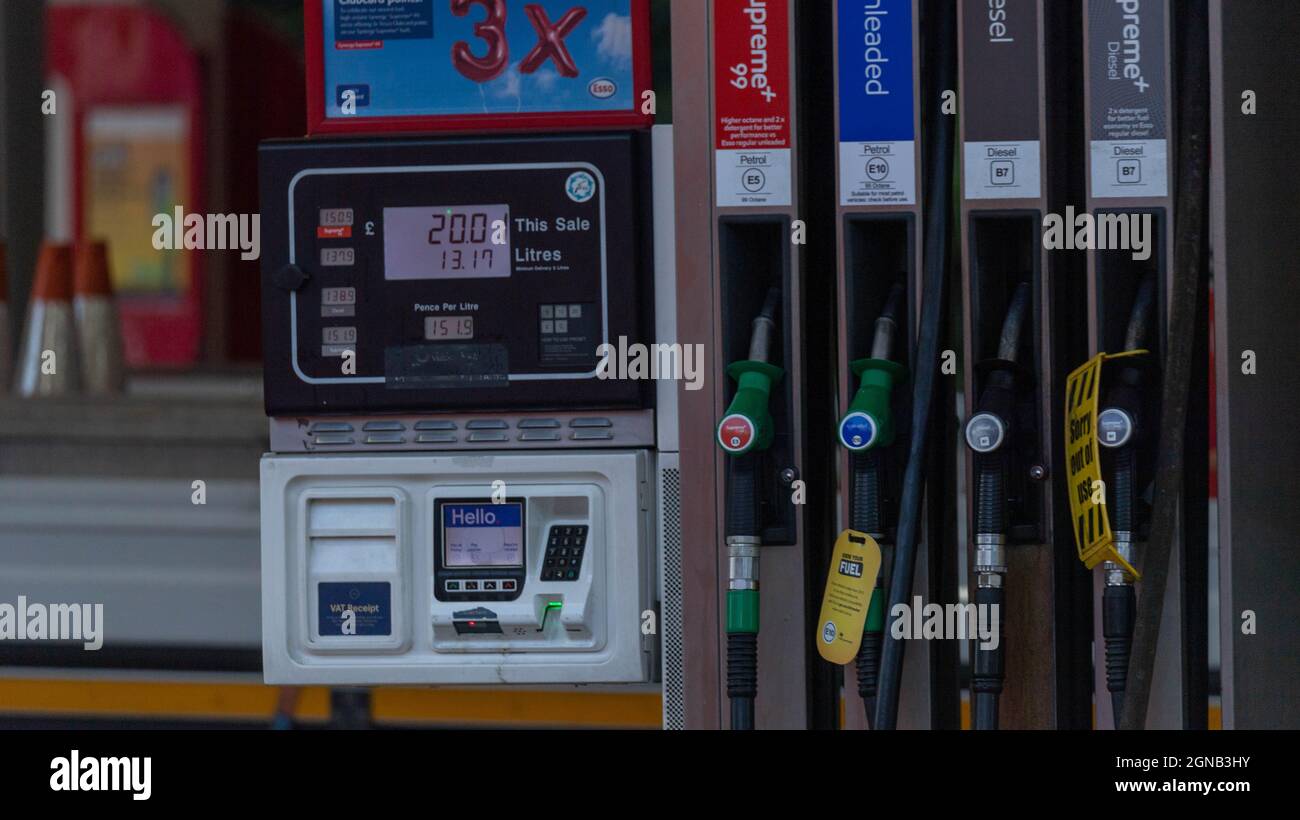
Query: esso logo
[602, 88]
[736, 434]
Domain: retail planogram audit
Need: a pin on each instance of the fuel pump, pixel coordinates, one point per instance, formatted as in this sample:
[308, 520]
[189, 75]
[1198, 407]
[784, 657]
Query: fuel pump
[866, 428]
[989, 433]
[745, 433]
[1121, 429]
[469, 473]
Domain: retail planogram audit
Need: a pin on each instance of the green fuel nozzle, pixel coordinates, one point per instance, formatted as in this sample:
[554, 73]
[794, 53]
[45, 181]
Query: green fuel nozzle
[867, 427]
[869, 422]
[744, 433]
[747, 425]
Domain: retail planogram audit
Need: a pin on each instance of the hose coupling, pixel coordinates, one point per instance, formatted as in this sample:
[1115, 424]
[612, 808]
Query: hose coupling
[990, 559]
[742, 560]
[1116, 575]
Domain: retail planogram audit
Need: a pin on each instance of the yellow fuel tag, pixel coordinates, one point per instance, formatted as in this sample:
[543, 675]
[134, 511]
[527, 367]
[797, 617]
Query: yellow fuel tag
[855, 563]
[1092, 534]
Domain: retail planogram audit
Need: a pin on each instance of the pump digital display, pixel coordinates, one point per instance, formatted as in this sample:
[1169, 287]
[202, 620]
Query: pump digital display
[480, 273]
[336, 217]
[440, 242]
[437, 328]
[338, 296]
[337, 257]
[483, 535]
[339, 335]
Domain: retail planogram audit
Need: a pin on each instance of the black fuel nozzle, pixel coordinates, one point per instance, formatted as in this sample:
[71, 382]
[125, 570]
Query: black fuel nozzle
[1119, 430]
[987, 434]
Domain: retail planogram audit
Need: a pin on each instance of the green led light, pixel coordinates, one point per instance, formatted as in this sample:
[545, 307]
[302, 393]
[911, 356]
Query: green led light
[554, 604]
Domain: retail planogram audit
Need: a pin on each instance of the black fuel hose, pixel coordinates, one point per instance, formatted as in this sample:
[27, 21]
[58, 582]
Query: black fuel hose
[865, 516]
[989, 670]
[937, 249]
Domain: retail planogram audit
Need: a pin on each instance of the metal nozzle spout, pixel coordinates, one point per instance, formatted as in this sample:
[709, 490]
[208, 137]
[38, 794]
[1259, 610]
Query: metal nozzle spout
[882, 343]
[764, 328]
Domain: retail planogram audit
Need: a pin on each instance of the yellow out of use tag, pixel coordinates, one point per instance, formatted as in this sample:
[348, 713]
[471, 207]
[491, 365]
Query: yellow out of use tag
[855, 563]
[1092, 533]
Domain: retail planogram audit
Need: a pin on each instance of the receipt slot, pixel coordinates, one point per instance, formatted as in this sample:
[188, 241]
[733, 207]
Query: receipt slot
[459, 490]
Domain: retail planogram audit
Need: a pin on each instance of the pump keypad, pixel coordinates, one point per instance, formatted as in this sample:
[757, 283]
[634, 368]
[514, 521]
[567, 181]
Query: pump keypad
[564, 549]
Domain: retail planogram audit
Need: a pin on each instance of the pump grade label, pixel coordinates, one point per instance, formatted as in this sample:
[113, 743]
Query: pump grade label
[1092, 533]
[751, 80]
[877, 102]
[1128, 122]
[1001, 152]
[850, 583]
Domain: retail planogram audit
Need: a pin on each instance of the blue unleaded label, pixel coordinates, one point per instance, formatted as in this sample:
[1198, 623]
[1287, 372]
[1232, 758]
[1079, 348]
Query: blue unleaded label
[877, 103]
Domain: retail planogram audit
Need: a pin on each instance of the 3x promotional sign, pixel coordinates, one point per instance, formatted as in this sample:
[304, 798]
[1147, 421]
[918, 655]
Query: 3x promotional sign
[477, 65]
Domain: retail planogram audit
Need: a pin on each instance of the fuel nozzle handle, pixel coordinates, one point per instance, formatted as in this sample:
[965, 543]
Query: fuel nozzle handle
[1119, 421]
[747, 425]
[1119, 426]
[869, 422]
[988, 427]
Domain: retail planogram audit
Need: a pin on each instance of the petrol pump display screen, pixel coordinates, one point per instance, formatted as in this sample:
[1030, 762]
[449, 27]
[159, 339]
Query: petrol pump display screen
[430, 275]
[446, 242]
[482, 535]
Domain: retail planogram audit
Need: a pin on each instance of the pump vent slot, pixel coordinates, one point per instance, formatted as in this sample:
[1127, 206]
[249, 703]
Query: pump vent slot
[351, 555]
[670, 607]
[352, 517]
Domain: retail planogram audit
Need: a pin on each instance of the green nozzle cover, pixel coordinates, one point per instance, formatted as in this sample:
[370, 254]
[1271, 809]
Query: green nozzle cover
[873, 397]
[742, 610]
[876, 611]
[754, 380]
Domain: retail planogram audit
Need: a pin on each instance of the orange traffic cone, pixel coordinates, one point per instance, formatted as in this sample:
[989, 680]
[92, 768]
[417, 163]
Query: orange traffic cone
[48, 364]
[6, 357]
[99, 338]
